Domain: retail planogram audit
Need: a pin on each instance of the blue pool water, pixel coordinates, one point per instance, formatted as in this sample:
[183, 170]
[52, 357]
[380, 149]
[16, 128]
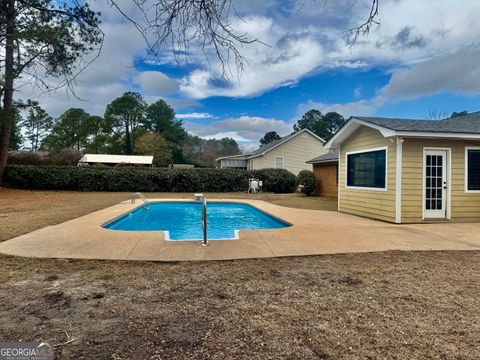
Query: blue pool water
[182, 220]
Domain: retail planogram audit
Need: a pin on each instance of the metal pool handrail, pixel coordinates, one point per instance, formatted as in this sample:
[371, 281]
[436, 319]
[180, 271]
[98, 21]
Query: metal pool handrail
[204, 216]
[142, 197]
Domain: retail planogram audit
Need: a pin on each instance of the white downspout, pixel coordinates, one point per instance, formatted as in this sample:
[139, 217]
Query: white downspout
[398, 181]
[338, 178]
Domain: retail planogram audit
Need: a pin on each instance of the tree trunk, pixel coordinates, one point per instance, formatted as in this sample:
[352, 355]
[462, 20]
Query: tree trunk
[128, 140]
[36, 140]
[6, 115]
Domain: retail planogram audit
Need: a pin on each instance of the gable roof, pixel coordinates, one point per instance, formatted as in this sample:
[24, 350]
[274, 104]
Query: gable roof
[461, 127]
[331, 156]
[272, 145]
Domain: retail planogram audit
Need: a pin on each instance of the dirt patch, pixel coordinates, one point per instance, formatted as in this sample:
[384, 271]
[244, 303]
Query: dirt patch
[394, 305]
[23, 211]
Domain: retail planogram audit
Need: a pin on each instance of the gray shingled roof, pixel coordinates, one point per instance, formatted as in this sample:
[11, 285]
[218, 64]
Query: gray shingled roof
[463, 124]
[328, 157]
[268, 146]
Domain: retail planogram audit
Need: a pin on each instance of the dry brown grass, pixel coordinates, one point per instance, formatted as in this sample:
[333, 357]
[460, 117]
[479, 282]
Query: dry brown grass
[22, 211]
[397, 305]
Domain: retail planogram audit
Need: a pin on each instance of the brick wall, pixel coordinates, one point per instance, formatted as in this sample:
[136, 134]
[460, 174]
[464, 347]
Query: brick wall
[326, 175]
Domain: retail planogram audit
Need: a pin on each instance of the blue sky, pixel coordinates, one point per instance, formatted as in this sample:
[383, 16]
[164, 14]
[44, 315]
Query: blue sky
[422, 57]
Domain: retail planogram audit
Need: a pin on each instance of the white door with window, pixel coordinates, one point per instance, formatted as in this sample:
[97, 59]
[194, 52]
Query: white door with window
[435, 184]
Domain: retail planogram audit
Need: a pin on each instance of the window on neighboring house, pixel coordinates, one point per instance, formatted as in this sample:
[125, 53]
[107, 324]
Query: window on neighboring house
[367, 169]
[279, 162]
[473, 169]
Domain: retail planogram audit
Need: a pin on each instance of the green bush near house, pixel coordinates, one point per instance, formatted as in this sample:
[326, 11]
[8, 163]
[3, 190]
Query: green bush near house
[92, 178]
[307, 181]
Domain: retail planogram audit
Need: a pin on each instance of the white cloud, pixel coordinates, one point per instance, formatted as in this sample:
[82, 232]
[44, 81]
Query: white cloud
[357, 92]
[155, 82]
[243, 128]
[195, 115]
[307, 37]
[355, 108]
[458, 72]
[288, 57]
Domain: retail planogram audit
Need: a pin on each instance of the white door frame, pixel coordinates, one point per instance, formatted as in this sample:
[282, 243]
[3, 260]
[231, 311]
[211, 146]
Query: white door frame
[444, 213]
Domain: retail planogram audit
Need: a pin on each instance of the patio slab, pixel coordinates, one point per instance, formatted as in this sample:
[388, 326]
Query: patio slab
[313, 233]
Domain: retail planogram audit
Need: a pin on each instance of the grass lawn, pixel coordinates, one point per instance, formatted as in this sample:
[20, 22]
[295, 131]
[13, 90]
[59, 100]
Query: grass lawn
[392, 305]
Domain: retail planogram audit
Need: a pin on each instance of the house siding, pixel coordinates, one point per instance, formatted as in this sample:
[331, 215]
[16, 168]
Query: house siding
[296, 152]
[465, 207]
[364, 202]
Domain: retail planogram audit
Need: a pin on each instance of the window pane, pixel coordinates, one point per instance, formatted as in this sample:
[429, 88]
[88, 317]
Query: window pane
[366, 169]
[279, 162]
[473, 170]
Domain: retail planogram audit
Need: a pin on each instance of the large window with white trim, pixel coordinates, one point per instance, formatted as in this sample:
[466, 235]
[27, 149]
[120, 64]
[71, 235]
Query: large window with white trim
[472, 171]
[367, 169]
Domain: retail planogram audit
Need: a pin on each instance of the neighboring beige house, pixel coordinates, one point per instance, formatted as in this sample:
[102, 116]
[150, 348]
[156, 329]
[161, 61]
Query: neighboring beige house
[290, 152]
[409, 171]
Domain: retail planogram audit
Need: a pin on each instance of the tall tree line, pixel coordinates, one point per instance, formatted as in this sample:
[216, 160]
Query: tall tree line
[129, 126]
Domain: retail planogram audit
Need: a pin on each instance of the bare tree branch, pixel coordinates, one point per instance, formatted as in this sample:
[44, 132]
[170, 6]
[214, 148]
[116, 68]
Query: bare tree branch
[435, 114]
[186, 24]
[353, 34]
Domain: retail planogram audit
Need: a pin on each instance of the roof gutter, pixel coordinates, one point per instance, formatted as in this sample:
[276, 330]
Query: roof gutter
[322, 161]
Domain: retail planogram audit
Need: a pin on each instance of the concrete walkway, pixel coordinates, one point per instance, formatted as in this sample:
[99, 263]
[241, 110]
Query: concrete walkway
[313, 232]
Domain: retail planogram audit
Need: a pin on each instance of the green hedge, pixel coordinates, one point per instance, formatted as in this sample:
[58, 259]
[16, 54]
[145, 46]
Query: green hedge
[89, 178]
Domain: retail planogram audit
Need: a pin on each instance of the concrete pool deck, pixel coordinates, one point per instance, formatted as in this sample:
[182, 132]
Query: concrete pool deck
[313, 232]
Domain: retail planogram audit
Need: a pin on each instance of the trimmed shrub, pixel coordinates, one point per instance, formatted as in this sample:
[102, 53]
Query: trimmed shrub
[306, 180]
[93, 178]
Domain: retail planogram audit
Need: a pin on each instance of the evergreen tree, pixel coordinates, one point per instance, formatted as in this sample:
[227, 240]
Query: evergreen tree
[269, 137]
[36, 125]
[45, 38]
[124, 116]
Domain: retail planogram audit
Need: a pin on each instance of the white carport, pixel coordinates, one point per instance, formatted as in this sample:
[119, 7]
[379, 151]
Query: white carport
[90, 159]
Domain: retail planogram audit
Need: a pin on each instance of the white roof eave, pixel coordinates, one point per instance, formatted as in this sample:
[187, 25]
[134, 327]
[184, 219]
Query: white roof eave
[353, 124]
[438, 135]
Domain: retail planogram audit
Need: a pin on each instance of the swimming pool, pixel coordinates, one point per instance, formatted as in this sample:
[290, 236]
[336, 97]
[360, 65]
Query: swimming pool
[182, 220]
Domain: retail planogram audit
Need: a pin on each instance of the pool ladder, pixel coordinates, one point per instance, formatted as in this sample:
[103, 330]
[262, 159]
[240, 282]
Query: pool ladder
[146, 205]
[203, 198]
